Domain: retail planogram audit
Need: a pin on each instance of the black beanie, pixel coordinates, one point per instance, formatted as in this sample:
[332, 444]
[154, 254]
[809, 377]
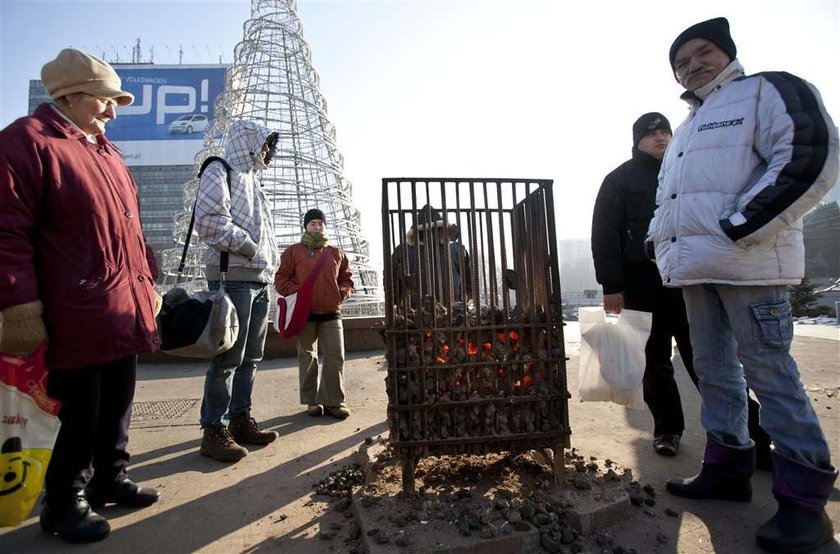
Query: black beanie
[314, 213]
[714, 30]
[649, 123]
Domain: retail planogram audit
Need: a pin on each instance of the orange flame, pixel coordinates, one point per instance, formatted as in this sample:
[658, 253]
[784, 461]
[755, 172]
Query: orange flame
[445, 348]
[487, 346]
[472, 349]
[513, 335]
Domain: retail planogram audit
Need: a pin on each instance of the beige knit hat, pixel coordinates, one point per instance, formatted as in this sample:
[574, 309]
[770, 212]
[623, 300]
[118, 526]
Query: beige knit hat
[75, 71]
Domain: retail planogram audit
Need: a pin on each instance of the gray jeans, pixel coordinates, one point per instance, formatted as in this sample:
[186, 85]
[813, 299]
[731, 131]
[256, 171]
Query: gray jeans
[321, 385]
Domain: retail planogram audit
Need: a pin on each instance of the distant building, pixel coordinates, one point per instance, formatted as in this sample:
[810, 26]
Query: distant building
[577, 273]
[160, 155]
[821, 229]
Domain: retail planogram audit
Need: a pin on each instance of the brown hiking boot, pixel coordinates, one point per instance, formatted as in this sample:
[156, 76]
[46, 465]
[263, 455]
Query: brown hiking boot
[219, 445]
[244, 430]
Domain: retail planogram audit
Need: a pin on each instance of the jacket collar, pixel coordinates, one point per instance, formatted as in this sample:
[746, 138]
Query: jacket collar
[47, 113]
[644, 157]
[729, 73]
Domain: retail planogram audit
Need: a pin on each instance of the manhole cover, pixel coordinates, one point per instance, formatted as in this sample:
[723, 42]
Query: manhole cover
[161, 409]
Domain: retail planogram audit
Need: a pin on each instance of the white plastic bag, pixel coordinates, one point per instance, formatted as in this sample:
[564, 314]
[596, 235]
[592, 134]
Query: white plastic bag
[612, 357]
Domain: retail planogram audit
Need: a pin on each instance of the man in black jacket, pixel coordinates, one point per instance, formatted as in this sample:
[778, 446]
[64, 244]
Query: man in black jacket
[623, 210]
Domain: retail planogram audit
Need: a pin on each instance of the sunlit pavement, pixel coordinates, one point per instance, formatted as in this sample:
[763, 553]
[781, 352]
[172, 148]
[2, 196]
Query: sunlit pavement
[213, 507]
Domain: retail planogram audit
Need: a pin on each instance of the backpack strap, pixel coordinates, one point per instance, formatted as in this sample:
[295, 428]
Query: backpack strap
[224, 257]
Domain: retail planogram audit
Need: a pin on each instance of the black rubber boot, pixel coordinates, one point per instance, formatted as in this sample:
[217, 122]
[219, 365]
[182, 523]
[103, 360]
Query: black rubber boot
[795, 529]
[800, 524]
[713, 482]
[725, 474]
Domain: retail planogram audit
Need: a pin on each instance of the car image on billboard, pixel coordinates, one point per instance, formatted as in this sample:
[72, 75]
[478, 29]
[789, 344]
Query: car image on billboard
[189, 124]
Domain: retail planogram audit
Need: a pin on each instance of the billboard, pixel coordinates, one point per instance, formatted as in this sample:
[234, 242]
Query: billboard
[173, 105]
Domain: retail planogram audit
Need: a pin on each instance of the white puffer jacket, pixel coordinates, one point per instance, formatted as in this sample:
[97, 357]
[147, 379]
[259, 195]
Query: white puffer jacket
[749, 161]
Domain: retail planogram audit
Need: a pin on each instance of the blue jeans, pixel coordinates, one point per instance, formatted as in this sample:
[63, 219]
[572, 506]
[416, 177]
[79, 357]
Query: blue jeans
[741, 337]
[230, 377]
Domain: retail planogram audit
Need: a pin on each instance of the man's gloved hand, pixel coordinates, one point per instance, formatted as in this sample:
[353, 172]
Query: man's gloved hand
[650, 250]
[158, 302]
[22, 327]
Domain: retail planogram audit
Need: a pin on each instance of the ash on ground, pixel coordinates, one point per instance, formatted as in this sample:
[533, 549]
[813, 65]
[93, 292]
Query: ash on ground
[473, 498]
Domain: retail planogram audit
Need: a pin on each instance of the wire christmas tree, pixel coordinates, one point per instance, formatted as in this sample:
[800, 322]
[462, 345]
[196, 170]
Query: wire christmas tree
[272, 81]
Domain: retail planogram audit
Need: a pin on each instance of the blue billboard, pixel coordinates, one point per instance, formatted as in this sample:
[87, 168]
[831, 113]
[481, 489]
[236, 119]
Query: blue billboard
[173, 106]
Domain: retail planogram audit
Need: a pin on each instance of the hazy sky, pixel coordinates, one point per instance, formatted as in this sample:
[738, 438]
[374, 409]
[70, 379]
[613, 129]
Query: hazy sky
[455, 88]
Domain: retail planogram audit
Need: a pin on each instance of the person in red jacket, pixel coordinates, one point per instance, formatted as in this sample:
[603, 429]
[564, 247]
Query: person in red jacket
[77, 273]
[321, 389]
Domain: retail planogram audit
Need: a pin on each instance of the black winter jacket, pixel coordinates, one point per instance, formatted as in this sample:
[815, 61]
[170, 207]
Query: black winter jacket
[623, 210]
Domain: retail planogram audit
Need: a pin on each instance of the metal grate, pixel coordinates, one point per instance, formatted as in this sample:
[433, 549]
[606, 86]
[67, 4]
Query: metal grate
[476, 359]
[161, 409]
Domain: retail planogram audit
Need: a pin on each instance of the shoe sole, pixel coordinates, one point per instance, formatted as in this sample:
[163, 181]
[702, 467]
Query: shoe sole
[257, 443]
[54, 532]
[730, 498]
[770, 547]
[222, 458]
[96, 504]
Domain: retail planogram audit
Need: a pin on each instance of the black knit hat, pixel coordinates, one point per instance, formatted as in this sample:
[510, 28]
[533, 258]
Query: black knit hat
[314, 213]
[714, 30]
[648, 123]
[428, 217]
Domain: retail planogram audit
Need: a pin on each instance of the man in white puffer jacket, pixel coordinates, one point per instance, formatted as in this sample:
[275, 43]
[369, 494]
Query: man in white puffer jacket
[753, 156]
[237, 220]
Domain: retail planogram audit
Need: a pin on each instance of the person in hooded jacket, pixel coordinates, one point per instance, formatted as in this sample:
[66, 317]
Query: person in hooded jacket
[77, 274]
[623, 210]
[237, 221]
[321, 388]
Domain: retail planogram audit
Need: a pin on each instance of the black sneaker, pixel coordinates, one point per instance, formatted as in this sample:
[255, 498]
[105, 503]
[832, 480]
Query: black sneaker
[666, 445]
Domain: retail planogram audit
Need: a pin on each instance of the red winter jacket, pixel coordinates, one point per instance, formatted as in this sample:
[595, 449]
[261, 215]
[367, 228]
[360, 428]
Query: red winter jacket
[332, 286]
[70, 236]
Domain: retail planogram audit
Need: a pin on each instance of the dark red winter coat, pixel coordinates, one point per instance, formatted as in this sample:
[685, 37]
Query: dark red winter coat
[70, 236]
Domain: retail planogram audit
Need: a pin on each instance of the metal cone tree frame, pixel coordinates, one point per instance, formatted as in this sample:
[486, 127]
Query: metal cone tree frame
[272, 81]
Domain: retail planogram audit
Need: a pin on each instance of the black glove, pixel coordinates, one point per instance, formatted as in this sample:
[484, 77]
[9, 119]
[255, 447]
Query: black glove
[650, 250]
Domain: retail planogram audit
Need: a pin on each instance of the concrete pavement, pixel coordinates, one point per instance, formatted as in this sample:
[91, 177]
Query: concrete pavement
[265, 501]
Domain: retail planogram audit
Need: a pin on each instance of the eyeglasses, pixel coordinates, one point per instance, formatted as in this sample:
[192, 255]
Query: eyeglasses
[107, 101]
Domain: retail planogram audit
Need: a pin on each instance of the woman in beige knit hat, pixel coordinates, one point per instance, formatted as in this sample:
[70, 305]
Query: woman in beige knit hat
[77, 274]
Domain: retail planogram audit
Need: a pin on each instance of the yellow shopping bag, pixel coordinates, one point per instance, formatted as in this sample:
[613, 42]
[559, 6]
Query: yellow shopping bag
[27, 433]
